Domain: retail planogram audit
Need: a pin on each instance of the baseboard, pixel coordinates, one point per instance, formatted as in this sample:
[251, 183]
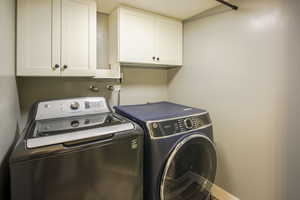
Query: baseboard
[221, 194]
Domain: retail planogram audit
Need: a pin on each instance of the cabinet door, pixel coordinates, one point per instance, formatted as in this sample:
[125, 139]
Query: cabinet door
[78, 38]
[136, 37]
[38, 37]
[168, 41]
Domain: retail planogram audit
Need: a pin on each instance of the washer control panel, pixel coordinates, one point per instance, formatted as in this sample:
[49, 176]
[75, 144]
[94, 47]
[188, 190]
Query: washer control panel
[168, 127]
[71, 107]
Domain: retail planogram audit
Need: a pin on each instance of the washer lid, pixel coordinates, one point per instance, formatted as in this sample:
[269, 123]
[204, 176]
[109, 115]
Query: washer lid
[69, 124]
[190, 170]
[78, 135]
[63, 130]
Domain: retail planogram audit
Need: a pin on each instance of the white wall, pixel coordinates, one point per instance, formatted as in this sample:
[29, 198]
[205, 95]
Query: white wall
[9, 108]
[143, 85]
[243, 67]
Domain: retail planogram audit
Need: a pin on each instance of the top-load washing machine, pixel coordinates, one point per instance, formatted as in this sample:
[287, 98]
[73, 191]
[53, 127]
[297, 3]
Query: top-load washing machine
[180, 158]
[77, 149]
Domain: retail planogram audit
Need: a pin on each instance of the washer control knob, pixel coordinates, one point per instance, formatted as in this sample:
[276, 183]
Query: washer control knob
[188, 123]
[75, 105]
[75, 123]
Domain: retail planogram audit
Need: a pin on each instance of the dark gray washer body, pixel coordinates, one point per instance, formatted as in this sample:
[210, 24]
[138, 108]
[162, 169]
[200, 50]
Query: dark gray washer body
[102, 169]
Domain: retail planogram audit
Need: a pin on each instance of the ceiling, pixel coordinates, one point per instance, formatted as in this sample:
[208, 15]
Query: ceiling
[181, 9]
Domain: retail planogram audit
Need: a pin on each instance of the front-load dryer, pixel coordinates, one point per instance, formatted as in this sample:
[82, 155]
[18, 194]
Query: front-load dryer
[180, 158]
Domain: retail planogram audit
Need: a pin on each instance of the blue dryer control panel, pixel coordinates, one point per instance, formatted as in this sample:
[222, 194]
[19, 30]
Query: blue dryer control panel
[168, 127]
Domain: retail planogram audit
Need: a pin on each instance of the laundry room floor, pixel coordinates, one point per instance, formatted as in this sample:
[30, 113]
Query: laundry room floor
[214, 198]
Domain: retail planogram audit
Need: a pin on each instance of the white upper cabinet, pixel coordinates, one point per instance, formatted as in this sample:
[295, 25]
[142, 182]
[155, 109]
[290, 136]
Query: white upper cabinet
[139, 37]
[78, 38]
[56, 38]
[168, 43]
[137, 32]
[36, 45]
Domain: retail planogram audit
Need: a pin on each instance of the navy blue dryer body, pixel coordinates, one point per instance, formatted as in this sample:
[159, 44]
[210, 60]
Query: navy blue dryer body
[179, 158]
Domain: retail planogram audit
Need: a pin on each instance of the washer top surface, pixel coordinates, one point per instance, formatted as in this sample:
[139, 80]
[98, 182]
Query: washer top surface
[157, 111]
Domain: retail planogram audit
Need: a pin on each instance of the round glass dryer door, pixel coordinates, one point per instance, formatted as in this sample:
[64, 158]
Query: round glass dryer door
[190, 170]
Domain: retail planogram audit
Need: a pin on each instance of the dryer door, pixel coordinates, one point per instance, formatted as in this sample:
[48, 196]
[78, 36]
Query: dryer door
[190, 170]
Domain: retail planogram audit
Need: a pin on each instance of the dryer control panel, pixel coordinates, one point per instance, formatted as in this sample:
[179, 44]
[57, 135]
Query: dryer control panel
[167, 127]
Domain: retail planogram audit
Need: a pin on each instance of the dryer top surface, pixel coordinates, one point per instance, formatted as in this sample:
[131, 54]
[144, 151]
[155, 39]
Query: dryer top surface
[157, 111]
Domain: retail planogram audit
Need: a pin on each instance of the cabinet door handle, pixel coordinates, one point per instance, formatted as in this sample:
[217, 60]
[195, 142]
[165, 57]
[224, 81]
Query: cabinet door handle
[55, 67]
[153, 58]
[157, 58]
[65, 67]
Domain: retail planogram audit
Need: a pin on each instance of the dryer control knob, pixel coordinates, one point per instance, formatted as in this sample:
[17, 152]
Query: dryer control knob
[188, 123]
[155, 125]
